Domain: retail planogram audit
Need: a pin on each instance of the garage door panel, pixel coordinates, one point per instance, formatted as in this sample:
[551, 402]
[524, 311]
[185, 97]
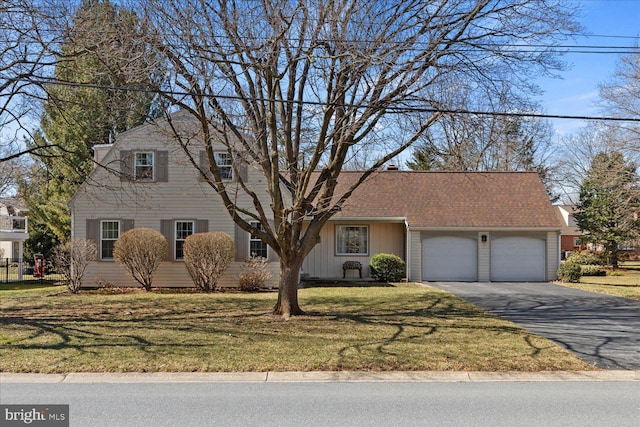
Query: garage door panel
[449, 258]
[518, 259]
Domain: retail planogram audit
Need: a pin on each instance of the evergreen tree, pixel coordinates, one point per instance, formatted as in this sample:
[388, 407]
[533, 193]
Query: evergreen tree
[101, 52]
[609, 207]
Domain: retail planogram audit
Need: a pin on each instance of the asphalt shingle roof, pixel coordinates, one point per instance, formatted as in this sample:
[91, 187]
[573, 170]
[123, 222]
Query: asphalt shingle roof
[452, 199]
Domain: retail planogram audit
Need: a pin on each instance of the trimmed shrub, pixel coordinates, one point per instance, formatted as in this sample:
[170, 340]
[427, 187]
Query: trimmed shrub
[570, 271]
[141, 250]
[387, 267]
[71, 260]
[207, 256]
[587, 258]
[255, 274]
[593, 270]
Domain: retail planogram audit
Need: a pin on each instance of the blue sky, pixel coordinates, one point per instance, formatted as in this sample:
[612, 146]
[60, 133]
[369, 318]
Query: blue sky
[577, 92]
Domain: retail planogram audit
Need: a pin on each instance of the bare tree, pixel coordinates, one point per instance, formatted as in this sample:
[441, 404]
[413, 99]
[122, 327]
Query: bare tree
[621, 97]
[294, 89]
[11, 172]
[577, 151]
[492, 141]
[26, 42]
[71, 260]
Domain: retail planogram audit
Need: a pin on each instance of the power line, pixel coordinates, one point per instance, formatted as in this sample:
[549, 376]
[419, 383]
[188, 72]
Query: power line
[394, 110]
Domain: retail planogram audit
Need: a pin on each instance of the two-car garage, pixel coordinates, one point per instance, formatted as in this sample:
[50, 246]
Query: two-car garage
[471, 257]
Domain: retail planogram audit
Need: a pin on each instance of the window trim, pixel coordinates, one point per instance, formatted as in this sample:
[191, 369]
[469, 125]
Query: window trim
[338, 227]
[577, 242]
[256, 240]
[224, 166]
[153, 166]
[102, 238]
[175, 236]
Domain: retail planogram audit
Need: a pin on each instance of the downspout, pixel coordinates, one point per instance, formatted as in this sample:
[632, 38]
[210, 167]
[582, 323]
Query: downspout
[407, 251]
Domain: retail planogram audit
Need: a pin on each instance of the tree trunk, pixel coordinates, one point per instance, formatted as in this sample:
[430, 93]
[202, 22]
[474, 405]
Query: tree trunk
[613, 254]
[287, 304]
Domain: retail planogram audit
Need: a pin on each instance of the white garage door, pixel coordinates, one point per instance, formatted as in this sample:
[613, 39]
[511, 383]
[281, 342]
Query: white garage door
[448, 258]
[518, 259]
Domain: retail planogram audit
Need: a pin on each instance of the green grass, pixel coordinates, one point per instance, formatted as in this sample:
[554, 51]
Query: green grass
[406, 327]
[624, 282]
[29, 287]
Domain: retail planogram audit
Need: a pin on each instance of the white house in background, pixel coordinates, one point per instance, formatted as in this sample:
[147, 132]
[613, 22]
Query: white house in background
[13, 231]
[446, 225]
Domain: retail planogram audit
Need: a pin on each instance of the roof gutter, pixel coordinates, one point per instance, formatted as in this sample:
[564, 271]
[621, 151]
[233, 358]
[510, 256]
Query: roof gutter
[541, 228]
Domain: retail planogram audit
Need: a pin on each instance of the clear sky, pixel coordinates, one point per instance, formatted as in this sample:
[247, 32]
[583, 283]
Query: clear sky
[577, 92]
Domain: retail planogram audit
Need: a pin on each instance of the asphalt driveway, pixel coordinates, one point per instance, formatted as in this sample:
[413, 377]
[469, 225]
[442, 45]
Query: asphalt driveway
[600, 329]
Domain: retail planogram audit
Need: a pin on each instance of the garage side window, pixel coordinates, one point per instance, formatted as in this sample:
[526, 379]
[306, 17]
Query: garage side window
[109, 233]
[352, 240]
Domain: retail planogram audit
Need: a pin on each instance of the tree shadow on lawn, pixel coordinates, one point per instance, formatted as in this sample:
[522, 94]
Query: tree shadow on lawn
[347, 283]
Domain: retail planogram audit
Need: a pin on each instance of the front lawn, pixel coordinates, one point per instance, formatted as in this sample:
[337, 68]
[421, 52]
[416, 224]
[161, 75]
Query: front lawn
[406, 327]
[624, 282]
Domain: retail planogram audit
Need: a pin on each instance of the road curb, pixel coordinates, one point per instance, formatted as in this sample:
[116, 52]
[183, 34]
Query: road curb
[316, 376]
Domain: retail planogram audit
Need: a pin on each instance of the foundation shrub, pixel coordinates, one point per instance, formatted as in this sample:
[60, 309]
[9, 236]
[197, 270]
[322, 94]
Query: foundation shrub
[207, 256]
[387, 267]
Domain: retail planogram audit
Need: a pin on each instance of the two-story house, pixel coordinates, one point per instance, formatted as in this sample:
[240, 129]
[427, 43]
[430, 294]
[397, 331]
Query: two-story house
[445, 225]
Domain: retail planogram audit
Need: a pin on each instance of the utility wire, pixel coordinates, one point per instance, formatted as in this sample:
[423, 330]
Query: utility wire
[394, 110]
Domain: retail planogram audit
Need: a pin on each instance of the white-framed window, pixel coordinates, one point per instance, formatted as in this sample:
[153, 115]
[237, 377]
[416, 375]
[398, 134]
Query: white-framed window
[576, 242]
[352, 240]
[109, 233]
[143, 166]
[183, 230]
[225, 165]
[258, 248]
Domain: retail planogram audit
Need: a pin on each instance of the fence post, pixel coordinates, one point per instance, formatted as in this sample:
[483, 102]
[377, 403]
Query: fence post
[6, 270]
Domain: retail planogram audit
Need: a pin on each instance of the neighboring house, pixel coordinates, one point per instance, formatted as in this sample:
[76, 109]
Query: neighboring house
[446, 226]
[570, 236]
[13, 231]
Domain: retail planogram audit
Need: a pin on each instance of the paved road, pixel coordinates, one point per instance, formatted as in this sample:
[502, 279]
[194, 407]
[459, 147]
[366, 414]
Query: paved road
[552, 403]
[600, 329]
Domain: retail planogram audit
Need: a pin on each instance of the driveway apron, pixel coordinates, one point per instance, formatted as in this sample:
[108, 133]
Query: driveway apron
[600, 329]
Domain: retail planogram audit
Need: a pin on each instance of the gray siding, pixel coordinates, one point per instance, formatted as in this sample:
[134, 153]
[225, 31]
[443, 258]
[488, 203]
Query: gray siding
[176, 194]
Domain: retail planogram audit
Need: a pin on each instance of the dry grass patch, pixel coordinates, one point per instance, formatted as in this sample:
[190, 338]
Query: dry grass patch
[406, 327]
